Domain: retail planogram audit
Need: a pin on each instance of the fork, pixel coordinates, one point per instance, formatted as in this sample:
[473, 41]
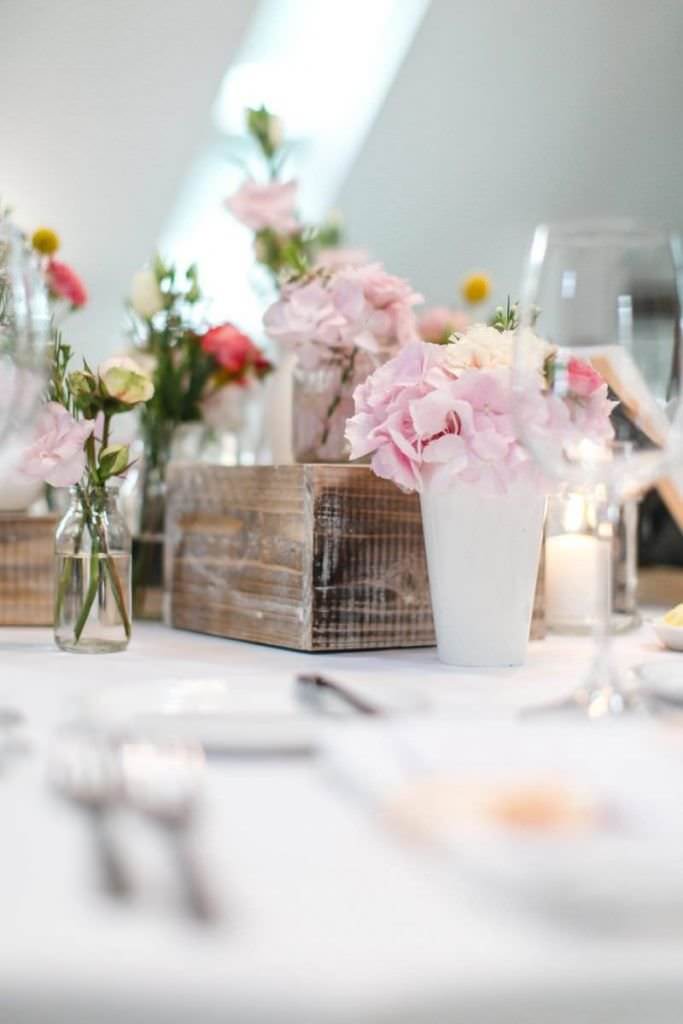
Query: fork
[83, 767]
[163, 783]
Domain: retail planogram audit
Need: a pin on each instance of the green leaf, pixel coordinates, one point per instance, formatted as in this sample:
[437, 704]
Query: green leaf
[113, 460]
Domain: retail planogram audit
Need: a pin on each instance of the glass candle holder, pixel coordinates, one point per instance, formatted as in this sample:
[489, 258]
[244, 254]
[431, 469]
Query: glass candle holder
[575, 562]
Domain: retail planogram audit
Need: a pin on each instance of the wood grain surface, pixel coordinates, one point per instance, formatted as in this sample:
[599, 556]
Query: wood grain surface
[26, 569]
[312, 557]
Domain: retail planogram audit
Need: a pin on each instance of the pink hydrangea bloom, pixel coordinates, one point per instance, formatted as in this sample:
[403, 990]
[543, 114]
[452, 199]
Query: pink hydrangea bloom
[329, 313]
[439, 322]
[272, 206]
[426, 423]
[57, 455]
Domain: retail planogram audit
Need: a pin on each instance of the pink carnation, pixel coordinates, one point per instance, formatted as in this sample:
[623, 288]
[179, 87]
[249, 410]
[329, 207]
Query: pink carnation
[583, 379]
[326, 314]
[65, 283]
[271, 206]
[57, 455]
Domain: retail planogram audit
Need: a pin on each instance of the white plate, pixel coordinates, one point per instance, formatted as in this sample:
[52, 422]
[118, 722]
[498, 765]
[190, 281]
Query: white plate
[624, 868]
[670, 636]
[246, 718]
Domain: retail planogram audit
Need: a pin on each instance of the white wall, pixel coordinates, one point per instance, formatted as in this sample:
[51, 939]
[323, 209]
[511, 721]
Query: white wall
[103, 104]
[503, 113]
[509, 112]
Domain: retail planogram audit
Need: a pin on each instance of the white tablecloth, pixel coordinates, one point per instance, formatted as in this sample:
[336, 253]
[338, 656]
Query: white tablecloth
[328, 917]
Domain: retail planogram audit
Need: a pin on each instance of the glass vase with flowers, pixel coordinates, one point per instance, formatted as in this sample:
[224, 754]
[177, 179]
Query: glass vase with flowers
[72, 447]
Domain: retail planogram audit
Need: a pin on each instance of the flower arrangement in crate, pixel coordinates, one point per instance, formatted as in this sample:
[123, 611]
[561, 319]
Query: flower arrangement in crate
[204, 376]
[439, 419]
[199, 371]
[337, 313]
[341, 323]
[73, 448]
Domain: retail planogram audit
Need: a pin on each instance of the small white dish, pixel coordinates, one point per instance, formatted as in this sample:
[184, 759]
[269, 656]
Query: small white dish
[670, 636]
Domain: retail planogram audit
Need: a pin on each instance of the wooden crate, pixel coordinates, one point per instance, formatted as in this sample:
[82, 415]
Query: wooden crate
[26, 569]
[311, 557]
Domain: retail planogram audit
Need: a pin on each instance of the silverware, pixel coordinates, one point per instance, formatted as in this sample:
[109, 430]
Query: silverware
[163, 783]
[83, 767]
[13, 735]
[313, 688]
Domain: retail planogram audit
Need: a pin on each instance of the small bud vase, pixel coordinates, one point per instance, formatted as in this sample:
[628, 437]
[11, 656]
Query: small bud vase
[92, 586]
[482, 558]
[322, 401]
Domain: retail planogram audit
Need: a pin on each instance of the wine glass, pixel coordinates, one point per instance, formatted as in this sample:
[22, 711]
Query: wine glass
[24, 338]
[606, 296]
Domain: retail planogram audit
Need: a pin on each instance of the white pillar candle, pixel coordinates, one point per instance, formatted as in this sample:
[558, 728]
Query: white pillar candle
[575, 568]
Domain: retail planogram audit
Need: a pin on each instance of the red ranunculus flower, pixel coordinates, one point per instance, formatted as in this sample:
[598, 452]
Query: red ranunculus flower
[65, 283]
[234, 351]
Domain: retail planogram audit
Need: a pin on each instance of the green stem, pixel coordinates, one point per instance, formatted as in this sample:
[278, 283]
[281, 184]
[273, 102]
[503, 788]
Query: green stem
[91, 592]
[99, 542]
[119, 596]
[61, 588]
[332, 408]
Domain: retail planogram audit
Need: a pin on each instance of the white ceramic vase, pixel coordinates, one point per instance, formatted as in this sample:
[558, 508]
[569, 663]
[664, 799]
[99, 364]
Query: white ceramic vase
[482, 557]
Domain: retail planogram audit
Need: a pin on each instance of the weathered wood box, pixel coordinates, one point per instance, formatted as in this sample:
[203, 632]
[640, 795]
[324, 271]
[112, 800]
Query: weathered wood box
[26, 569]
[311, 557]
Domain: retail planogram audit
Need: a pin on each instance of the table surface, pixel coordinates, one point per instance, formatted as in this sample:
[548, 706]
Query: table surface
[329, 918]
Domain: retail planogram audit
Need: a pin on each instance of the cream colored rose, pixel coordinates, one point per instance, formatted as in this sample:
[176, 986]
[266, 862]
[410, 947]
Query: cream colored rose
[275, 131]
[484, 348]
[146, 297]
[123, 379]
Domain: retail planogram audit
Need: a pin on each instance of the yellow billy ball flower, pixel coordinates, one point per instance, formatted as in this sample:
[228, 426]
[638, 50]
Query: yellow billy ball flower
[476, 288]
[45, 240]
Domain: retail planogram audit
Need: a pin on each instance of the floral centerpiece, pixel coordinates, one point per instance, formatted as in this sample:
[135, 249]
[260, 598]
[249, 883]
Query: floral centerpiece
[440, 420]
[72, 447]
[203, 376]
[340, 323]
[65, 293]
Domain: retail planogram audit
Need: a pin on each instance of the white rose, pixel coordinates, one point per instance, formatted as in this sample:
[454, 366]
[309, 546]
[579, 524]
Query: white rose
[145, 295]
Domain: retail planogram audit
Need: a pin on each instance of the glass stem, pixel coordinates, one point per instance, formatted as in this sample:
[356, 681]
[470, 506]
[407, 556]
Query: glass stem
[602, 689]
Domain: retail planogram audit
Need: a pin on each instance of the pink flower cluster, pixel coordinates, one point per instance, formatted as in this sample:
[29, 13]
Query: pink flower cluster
[271, 206]
[327, 314]
[427, 423]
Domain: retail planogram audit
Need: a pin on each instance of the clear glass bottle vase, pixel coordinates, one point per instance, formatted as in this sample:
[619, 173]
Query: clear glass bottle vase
[93, 579]
[322, 401]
